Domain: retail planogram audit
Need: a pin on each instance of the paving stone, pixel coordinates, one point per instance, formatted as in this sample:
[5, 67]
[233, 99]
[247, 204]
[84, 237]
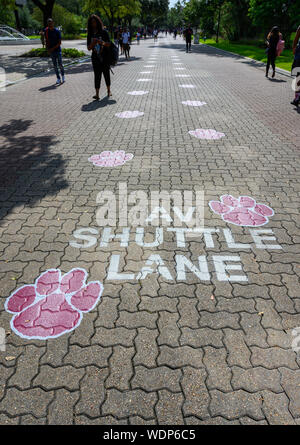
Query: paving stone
[276, 408]
[129, 403]
[236, 404]
[112, 337]
[156, 378]
[61, 409]
[192, 420]
[169, 330]
[219, 320]
[140, 319]
[66, 377]
[255, 335]
[180, 356]
[32, 401]
[30, 420]
[146, 347]
[90, 402]
[195, 392]
[5, 420]
[290, 381]
[120, 368]
[169, 408]
[27, 367]
[201, 337]
[256, 379]
[79, 356]
[238, 352]
[103, 420]
[274, 357]
[219, 374]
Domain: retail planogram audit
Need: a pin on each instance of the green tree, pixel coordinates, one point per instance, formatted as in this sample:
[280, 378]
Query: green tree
[267, 13]
[177, 13]
[46, 8]
[109, 8]
[129, 10]
[70, 23]
[7, 8]
[235, 22]
[154, 12]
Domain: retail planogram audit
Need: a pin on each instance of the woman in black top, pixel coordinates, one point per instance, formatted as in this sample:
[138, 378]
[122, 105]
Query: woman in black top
[272, 41]
[98, 41]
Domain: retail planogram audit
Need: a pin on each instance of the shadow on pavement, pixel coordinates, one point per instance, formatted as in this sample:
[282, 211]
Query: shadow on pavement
[95, 104]
[28, 170]
[50, 87]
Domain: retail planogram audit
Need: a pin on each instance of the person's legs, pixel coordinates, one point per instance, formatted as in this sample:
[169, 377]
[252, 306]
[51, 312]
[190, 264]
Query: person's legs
[273, 58]
[97, 77]
[54, 61]
[106, 73]
[268, 65]
[61, 67]
[186, 46]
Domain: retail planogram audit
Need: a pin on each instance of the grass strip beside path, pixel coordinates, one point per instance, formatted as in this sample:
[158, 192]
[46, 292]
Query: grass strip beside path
[284, 61]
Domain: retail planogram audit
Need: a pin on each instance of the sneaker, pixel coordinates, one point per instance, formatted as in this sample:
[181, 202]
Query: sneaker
[62, 79]
[295, 102]
[58, 82]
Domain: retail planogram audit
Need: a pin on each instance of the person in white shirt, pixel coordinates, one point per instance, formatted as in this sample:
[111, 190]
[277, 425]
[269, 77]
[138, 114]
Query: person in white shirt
[126, 46]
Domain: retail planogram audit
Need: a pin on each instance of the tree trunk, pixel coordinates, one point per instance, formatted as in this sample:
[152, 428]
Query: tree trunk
[218, 29]
[46, 9]
[18, 24]
[47, 12]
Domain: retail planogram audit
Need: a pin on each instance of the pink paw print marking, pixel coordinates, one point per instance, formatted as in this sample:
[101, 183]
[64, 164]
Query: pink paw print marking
[243, 211]
[129, 114]
[202, 133]
[53, 305]
[111, 158]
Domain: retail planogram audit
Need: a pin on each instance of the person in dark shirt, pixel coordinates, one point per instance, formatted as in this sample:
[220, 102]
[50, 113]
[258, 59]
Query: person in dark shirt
[98, 42]
[272, 41]
[53, 45]
[188, 32]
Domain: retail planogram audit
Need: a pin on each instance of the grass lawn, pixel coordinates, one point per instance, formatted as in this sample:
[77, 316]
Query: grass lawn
[254, 52]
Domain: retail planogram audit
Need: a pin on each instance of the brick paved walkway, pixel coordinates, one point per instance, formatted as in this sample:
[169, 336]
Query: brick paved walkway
[176, 346]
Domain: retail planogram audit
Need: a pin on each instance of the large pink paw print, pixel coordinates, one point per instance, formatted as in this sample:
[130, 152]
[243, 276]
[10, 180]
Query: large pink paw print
[243, 211]
[111, 158]
[53, 305]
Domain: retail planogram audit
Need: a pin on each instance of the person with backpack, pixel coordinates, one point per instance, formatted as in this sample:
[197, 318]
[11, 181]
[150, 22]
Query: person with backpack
[296, 67]
[187, 33]
[98, 42]
[273, 38]
[126, 43]
[53, 45]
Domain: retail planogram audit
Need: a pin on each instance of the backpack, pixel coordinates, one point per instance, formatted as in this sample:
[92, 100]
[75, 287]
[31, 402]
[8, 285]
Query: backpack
[280, 47]
[114, 54]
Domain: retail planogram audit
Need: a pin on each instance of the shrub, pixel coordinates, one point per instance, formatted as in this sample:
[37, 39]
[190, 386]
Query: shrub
[71, 53]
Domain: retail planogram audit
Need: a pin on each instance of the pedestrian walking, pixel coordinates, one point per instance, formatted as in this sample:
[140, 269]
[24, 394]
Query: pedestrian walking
[126, 45]
[98, 42]
[53, 45]
[296, 67]
[272, 41]
[188, 32]
[42, 36]
[138, 37]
